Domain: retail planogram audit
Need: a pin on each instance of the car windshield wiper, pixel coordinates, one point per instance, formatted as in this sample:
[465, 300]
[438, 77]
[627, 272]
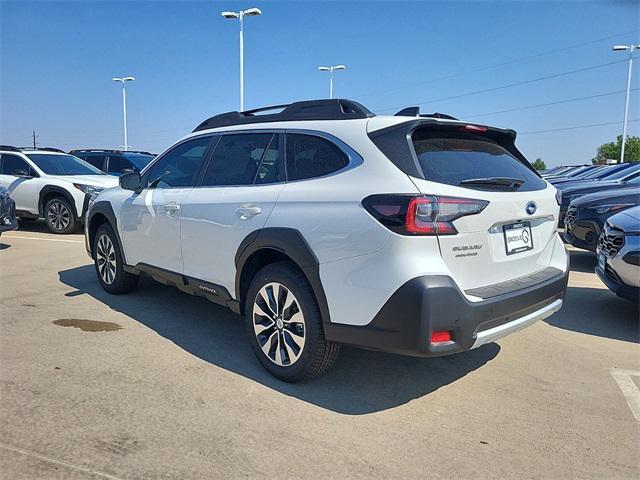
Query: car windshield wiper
[494, 181]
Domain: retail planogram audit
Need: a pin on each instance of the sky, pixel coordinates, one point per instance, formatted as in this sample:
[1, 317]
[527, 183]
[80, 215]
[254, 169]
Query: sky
[466, 59]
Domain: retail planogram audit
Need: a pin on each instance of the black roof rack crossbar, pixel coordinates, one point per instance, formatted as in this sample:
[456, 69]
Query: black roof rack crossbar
[106, 150]
[415, 112]
[328, 109]
[9, 148]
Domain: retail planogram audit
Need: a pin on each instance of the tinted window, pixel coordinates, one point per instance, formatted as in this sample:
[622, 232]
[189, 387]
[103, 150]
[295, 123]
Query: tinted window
[95, 160]
[139, 160]
[309, 156]
[457, 159]
[118, 164]
[624, 173]
[10, 164]
[179, 166]
[236, 159]
[271, 169]
[61, 164]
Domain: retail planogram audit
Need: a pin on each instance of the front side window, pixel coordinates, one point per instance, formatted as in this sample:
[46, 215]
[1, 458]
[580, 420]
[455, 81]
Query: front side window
[179, 166]
[61, 164]
[309, 156]
[118, 164]
[237, 159]
[472, 161]
[14, 165]
[95, 160]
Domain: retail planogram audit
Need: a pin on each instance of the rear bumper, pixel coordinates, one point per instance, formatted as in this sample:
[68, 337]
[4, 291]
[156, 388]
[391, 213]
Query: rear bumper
[435, 303]
[618, 287]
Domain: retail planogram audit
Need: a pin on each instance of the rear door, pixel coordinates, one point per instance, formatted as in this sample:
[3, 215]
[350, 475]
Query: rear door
[17, 176]
[513, 235]
[237, 193]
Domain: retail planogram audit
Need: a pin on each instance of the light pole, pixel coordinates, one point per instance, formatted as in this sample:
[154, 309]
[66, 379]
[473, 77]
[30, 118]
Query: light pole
[631, 48]
[323, 68]
[250, 12]
[124, 80]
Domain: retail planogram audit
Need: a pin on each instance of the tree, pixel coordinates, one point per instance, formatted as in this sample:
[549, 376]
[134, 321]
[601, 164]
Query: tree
[611, 150]
[539, 164]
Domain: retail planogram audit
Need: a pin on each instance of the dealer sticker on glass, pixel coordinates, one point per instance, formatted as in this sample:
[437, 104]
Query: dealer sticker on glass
[517, 237]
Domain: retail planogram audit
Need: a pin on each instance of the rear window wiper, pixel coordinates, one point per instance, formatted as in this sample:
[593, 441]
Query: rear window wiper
[494, 182]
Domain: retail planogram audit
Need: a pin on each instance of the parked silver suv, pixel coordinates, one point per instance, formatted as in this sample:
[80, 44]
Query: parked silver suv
[619, 254]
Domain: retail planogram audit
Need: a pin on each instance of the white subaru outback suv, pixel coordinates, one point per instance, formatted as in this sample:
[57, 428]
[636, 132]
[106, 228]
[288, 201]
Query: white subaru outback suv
[50, 184]
[326, 225]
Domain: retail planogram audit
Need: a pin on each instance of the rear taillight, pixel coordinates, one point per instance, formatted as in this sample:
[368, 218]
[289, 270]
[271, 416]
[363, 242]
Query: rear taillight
[423, 214]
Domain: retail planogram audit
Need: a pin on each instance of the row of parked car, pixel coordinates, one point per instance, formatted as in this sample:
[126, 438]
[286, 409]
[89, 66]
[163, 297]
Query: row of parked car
[600, 212]
[57, 186]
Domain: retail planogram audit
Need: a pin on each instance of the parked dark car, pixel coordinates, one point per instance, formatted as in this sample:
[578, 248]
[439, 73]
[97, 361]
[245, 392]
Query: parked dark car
[572, 191]
[586, 215]
[600, 173]
[571, 172]
[619, 254]
[115, 162]
[8, 219]
[562, 171]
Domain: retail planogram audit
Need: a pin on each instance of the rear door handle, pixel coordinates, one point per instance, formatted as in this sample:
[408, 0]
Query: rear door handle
[171, 208]
[248, 212]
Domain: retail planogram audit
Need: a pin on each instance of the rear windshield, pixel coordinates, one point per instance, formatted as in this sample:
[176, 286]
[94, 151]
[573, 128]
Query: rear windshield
[472, 161]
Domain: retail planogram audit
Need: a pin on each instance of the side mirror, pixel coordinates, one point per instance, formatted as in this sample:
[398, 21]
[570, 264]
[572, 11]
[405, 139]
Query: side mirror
[131, 181]
[21, 173]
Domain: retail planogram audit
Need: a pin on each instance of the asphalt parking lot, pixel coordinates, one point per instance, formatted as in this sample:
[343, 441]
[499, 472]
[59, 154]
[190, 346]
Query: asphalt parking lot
[161, 385]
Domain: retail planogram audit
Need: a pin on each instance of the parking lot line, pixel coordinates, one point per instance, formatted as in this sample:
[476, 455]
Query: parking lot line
[629, 389]
[45, 239]
[59, 462]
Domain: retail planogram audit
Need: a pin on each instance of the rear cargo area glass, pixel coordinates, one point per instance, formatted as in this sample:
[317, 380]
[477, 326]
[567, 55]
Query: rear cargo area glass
[453, 159]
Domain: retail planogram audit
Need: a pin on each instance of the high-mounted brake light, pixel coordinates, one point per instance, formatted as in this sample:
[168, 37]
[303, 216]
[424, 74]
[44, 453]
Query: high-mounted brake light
[421, 215]
[474, 128]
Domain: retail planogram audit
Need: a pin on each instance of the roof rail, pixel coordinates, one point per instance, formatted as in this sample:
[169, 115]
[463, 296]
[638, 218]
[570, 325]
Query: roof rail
[106, 150]
[415, 112]
[328, 109]
[51, 149]
[9, 148]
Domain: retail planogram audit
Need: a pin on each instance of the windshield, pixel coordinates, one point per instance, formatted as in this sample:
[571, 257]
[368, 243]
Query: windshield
[139, 160]
[62, 164]
[624, 172]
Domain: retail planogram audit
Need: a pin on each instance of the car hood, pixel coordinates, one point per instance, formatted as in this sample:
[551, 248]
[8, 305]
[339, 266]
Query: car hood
[628, 194]
[105, 181]
[627, 221]
[585, 186]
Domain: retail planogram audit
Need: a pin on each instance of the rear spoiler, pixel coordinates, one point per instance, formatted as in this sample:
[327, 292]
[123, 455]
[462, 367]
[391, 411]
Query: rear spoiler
[395, 141]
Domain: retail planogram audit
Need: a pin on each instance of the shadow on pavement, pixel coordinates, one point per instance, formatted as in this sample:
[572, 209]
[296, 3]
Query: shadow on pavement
[361, 381]
[4, 246]
[598, 311]
[583, 261]
[33, 226]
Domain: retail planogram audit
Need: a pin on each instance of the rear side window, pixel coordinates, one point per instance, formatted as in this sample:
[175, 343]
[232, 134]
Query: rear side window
[14, 165]
[237, 159]
[472, 161]
[309, 156]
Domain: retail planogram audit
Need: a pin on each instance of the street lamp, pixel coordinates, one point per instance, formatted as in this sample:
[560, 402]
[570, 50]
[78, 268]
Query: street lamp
[631, 48]
[123, 80]
[250, 12]
[322, 68]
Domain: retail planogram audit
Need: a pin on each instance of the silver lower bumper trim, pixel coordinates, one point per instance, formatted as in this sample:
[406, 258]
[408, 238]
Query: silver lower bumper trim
[493, 334]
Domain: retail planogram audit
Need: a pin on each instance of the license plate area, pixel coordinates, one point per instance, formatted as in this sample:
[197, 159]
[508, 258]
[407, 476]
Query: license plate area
[517, 237]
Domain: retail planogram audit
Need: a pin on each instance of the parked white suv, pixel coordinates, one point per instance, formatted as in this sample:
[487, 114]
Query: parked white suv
[50, 184]
[326, 225]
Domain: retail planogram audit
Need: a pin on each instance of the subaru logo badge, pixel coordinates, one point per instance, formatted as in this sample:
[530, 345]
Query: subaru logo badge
[531, 208]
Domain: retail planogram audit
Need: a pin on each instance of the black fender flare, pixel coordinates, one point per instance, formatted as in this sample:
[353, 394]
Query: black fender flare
[105, 209]
[49, 189]
[292, 243]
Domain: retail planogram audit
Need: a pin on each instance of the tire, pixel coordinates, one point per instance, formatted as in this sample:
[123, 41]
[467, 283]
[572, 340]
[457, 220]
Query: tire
[290, 342]
[109, 263]
[59, 216]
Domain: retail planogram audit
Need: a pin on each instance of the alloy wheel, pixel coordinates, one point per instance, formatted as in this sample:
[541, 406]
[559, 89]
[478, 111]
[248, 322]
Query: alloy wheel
[278, 324]
[106, 259]
[59, 216]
